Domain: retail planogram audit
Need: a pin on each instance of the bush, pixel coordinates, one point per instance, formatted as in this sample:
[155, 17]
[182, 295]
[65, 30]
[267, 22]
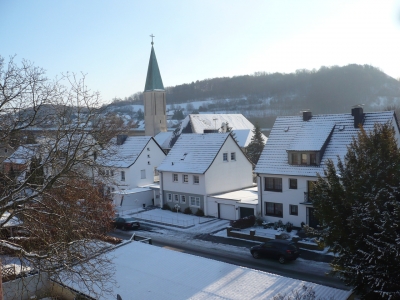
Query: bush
[166, 207]
[289, 227]
[173, 209]
[200, 213]
[245, 222]
[259, 221]
[278, 225]
[188, 211]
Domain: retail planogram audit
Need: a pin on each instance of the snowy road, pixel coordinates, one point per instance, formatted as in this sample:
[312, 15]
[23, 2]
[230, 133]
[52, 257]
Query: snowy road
[184, 240]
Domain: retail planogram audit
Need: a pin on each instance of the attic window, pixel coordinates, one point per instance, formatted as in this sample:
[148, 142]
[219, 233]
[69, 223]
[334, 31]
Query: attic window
[286, 129]
[341, 127]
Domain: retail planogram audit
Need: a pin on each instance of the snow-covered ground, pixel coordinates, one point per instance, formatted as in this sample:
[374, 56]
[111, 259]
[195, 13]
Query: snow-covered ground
[214, 226]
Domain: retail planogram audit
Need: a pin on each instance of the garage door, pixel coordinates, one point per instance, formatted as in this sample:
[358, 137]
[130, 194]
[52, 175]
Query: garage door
[226, 212]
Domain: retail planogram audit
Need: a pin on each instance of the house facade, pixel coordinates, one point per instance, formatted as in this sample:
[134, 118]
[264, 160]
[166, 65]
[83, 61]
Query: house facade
[200, 165]
[130, 164]
[297, 150]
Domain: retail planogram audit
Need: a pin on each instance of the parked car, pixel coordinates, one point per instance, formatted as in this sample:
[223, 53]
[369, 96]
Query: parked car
[283, 250]
[126, 223]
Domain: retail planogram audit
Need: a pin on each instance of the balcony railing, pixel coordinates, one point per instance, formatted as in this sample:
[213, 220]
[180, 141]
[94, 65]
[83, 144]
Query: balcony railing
[307, 197]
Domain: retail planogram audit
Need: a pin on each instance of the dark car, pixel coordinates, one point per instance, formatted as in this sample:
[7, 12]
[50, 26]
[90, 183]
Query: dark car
[126, 223]
[283, 250]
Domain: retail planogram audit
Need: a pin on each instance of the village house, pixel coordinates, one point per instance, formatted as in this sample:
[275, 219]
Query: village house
[128, 167]
[297, 150]
[200, 166]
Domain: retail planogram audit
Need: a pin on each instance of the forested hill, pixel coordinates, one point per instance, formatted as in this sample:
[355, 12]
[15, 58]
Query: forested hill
[327, 90]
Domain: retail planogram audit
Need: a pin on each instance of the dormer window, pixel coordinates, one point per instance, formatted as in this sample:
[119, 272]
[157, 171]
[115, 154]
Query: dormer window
[303, 158]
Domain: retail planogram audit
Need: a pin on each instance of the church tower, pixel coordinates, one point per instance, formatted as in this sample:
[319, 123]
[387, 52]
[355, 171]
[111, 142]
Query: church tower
[155, 119]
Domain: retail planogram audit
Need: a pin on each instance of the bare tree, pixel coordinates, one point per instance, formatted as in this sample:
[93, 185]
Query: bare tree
[56, 194]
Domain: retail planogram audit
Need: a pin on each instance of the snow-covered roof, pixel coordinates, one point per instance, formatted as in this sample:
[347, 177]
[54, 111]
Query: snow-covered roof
[160, 273]
[248, 196]
[242, 127]
[23, 154]
[193, 153]
[125, 155]
[291, 133]
[164, 139]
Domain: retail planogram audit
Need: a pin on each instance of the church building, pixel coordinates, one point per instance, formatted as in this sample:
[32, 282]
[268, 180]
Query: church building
[154, 99]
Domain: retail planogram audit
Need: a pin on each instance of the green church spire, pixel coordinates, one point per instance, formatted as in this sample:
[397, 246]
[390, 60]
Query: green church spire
[153, 79]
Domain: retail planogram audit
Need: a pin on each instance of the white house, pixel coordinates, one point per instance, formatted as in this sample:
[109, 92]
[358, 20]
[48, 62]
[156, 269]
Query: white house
[297, 149]
[240, 126]
[130, 164]
[200, 165]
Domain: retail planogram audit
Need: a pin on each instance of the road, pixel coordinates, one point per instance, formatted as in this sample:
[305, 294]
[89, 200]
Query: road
[300, 269]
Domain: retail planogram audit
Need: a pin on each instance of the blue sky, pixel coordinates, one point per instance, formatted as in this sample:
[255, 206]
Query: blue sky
[194, 40]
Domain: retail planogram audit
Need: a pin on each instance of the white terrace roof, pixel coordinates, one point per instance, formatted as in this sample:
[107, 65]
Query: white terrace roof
[242, 127]
[249, 195]
[125, 155]
[291, 133]
[193, 153]
[143, 271]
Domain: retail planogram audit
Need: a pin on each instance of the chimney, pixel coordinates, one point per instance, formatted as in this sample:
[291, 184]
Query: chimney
[121, 138]
[307, 115]
[357, 113]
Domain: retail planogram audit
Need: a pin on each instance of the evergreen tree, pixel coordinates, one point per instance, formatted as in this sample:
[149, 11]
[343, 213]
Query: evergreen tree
[229, 129]
[358, 206]
[256, 146]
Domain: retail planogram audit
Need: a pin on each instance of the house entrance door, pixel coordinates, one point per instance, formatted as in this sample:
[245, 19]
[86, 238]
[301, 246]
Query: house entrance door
[312, 220]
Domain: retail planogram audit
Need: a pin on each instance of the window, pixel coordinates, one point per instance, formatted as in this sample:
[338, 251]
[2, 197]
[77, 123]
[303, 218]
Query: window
[293, 210]
[194, 201]
[273, 184]
[304, 158]
[183, 199]
[122, 175]
[185, 178]
[175, 177]
[295, 159]
[169, 197]
[143, 174]
[233, 156]
[196, 179]
[292, 183]
[225, 156]
[176, 198]
[313, 159]
[273, 209]
[5, 150]
[112, 172]
[107, 172]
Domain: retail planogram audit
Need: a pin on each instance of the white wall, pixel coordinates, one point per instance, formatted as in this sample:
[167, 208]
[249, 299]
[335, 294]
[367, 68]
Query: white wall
[133, 173]
[231, 175]
[287, 197]
[134, 200]
[180, 186]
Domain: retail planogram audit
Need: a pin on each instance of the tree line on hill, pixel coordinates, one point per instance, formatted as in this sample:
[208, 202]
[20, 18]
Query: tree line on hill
[327, 90]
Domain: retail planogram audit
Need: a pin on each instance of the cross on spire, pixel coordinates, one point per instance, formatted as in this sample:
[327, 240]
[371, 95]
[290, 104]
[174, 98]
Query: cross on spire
[152, 36]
